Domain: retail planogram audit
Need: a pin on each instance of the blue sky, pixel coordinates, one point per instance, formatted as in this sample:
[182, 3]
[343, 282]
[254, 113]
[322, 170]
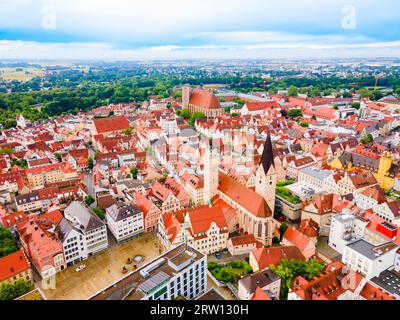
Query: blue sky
[176, 29]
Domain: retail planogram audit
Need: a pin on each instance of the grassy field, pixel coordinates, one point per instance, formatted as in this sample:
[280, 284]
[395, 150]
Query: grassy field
[20, 74]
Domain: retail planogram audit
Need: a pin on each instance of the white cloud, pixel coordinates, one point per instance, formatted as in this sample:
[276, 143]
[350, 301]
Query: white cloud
[158, 29]
[75, 51]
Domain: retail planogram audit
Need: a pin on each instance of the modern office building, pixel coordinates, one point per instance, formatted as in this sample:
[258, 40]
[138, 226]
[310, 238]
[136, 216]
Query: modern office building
[181, 271]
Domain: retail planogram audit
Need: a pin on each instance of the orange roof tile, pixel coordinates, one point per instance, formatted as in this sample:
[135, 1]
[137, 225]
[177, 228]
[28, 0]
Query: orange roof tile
[204, 99]
[12, 265]
[115, 123]
[273, 256]
[296, 238]
[244, 196]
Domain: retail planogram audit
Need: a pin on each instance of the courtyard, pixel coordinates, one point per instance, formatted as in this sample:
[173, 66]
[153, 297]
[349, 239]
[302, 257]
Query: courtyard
[326, 251]
[102, 269]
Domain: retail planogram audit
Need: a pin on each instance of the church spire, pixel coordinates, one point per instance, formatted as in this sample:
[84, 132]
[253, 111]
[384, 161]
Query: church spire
[267, 158]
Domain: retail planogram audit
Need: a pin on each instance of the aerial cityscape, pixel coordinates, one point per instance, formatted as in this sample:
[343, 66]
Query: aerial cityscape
[179, 175]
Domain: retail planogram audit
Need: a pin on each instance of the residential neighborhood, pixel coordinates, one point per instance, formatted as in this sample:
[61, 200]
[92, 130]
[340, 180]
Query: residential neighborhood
[208, 158]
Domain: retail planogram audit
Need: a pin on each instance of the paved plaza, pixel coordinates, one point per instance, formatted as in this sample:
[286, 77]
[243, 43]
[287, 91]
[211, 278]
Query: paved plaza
[102, 269]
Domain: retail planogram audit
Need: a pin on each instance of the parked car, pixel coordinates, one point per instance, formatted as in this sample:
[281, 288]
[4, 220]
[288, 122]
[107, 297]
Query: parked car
[218, 255]
[81, 267]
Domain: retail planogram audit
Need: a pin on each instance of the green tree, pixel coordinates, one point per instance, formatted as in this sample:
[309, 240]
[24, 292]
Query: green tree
[185, 114]
[355, 105]
[313, 268]
[195, 116]
[89, 200]
[90, 163]
[295, 113]
[19, 162]
[7, 242]
[134, 173]
[10, 291]
[7, 291]
[304, 124]
[58, 157]
[22, 286]
[177, 94]
[367, 139]
[292, 91]
[287, 270]
[127, 131]
[347, 94]
[100, 213]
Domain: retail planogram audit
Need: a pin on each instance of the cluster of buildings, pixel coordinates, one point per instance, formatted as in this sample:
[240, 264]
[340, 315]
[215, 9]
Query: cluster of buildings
[246, 178]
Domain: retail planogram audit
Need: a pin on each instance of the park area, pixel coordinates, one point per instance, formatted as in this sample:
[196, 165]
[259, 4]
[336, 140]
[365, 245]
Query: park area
[231, 271]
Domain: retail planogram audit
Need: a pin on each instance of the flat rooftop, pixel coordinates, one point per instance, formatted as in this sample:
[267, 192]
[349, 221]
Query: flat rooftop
[148, 278]
[303, 189]
[369, 250]
[389, 280]
[211, 294]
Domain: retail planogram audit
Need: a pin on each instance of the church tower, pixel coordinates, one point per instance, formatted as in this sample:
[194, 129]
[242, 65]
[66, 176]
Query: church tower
[266, 175]
[211, 163]
[186, 93]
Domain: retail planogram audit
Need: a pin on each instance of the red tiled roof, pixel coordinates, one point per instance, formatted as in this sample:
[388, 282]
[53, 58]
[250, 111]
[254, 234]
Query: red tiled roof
[244, 196]
[296, 238]
[259, 294]
[243, 239]
[13, 219]
[309, 227]
[204, 99]
[369, 292]
[267, 256]
[319, 149]
[376, 193]
[160, 192]
[326, 286]
[114, 123]
[12, 265]
[202, 217]
[254, 106]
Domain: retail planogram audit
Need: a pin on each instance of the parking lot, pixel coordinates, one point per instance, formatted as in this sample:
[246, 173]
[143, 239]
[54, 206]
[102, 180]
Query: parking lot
[102, 269]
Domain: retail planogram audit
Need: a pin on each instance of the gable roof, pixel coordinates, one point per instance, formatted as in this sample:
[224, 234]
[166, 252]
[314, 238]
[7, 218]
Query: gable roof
[259, 294]
[114, 123]
[267, 256]
[86, 219]
[244, 196]
[204, 99]
[296, 238]
[260, 278]
[12, 264]
[243, 239]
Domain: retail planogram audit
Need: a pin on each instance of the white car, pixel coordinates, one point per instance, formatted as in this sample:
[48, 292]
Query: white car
[81, 267]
